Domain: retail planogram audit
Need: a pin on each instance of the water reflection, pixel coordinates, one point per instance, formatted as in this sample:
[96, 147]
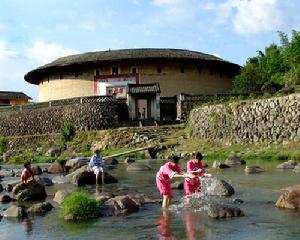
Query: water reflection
[194, 226]
[27, 225]
[163, 226]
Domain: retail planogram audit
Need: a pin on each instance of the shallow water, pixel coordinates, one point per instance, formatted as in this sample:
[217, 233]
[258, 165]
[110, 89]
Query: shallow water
[259, 191]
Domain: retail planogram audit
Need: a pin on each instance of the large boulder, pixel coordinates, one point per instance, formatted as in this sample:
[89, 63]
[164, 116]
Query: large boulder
[234, 161]
[36, 170]
[10, 185]
[120, 205]
[45, 181]
[136, 166]
[76, 163]
[30, 191]
[253, 169]
[141, 199]
[60, 179]
[15, 212]
[6, 173]
[53, 152]
[104, 196]
[219, 211]
[82, 177]
[60, 196]
[218, 164]
[111, 161]
[5, 198]
[40, 208]
[216, 187]
[55, 168]
[287, 165]
[297, 168]
[290, 198]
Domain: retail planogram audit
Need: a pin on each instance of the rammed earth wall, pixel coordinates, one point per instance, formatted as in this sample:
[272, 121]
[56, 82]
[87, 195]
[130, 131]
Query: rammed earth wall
[271, 120]
[89, 113]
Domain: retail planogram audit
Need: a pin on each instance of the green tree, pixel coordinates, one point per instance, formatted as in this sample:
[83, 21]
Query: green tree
[277, 66]
[68, 132]
[2, 144]
[291, 57]
[250, 78]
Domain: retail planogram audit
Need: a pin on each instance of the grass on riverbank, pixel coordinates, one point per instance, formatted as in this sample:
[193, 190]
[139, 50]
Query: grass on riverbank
[265, 152]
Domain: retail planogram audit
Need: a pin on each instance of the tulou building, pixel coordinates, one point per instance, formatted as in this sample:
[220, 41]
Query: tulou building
[140, 77]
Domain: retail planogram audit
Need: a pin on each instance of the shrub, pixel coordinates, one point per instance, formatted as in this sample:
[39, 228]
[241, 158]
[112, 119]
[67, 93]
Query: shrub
[68, 132]
[2, 144]
[80, 205]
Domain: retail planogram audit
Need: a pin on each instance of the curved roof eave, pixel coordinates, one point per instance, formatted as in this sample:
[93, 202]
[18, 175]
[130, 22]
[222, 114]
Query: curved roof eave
[121, 55]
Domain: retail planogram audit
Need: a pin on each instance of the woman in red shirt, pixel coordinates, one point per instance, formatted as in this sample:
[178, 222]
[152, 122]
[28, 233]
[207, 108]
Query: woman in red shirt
[195, 167]
[166, 172]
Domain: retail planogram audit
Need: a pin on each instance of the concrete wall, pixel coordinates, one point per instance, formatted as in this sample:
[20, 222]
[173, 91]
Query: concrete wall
[272, 120]
[85, 114]
[172, 81]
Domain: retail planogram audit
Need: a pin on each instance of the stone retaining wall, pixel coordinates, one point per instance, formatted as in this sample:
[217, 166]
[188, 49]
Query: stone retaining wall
[186, 102]
[90, 113]
[272, 120]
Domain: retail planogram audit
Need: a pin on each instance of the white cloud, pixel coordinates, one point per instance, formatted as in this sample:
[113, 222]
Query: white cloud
[175, 10]
[42, 52]
[5, 52]
[252, 16]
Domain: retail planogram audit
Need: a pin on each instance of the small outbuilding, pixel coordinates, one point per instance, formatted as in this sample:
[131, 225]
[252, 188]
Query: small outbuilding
[8, 98]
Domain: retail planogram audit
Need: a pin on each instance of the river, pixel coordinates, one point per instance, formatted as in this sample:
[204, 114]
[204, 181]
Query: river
[259, 191]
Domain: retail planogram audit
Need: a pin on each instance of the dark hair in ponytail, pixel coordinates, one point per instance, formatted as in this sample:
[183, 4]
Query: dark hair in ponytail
[198, 155]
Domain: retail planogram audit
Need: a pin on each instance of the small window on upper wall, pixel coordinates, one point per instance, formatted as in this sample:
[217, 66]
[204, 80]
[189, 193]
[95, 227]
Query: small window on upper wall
[199, 70]
[133, 70]
[182, 69]
[61, 76]
[158, 69]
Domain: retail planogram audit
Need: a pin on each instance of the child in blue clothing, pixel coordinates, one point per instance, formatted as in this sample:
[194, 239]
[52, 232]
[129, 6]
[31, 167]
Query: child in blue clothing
[97, 165]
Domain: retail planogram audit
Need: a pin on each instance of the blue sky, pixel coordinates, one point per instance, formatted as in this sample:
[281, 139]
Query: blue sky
[35, 32]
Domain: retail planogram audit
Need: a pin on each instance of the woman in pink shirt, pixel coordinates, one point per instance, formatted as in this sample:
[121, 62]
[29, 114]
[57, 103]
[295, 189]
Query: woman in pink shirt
[195, 167]
[166, 172]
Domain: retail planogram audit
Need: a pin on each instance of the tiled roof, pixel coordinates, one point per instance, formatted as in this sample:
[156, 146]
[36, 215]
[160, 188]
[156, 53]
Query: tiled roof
[143, 88]
[13, 95]
[123, 54]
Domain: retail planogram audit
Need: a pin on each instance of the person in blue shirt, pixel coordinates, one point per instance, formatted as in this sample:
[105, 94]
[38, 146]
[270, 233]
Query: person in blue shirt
[97, 165]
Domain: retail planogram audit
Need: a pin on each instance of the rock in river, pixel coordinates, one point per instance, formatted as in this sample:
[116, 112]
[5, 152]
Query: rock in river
[135, 166]
[253, 169]
[120, 205]
[216, 187]
[15, 212]
[290, 198]
[223, 211]
[60, 195]
[297, 168]
[30, 191]
[40, 208]
[287, 165]
[82, 177]
[234, 161]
